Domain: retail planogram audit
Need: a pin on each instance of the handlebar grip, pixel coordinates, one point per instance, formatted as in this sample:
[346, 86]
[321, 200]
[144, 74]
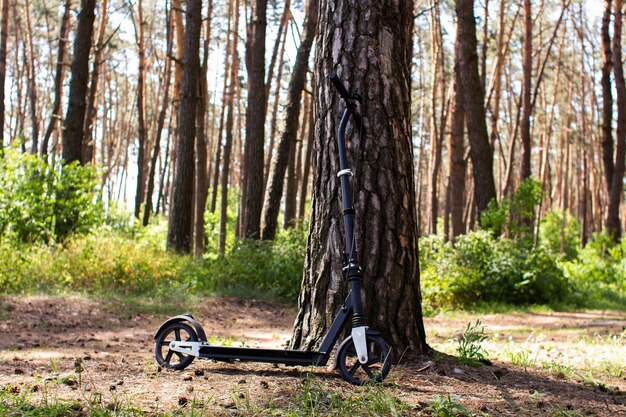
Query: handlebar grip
[339, 86]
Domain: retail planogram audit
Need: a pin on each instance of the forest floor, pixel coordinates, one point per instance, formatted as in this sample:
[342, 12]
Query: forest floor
[543, 363]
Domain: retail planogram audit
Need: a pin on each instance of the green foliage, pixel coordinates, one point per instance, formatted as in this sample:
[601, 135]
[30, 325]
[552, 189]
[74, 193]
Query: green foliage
[508, 216]
[40, 202]
[482, 268]
[315, 399]
[550, 234]
[470, 342]
[447, 407]
[136, 262]
[598, 273]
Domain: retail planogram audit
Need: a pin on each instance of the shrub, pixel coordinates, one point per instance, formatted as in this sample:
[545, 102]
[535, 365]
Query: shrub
[598, 273]
[46, 202]
[508, 216]
[481, 268]
[259, 267]
[550, 234]
[108, 260]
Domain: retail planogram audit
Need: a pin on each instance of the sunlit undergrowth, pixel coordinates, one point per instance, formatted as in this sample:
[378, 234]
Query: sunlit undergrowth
[56, 235]
[107, 261]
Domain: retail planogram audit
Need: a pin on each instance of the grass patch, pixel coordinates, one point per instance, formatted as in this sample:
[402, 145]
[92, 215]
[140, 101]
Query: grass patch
[137, 268]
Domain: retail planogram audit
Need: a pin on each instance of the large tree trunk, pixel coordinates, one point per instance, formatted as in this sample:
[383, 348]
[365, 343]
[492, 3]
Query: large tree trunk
[473, 104]
[527, 67]
[288, 137]
[379, 66]
[613, 223]
[4, 23]
[73, 132]
[181, 215]
[607, 96]
[255, 124]
[58, 79]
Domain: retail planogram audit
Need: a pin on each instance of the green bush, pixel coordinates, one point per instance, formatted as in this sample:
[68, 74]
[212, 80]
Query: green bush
[259, 267]
[550, 234]
[509, 216]
[481, 268]
[108, 260]
[598, 273]
[41, 202]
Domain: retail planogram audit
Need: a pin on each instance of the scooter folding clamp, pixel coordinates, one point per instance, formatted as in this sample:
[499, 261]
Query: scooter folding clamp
[186, 347]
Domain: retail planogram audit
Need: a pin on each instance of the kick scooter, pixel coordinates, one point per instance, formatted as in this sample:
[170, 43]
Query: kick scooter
[362, 357]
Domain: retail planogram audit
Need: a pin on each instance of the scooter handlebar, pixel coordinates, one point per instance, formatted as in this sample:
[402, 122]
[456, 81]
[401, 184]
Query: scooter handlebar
[340, 87]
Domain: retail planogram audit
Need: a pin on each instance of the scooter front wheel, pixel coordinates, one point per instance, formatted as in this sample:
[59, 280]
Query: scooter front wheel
[375, 369]
[168, 358]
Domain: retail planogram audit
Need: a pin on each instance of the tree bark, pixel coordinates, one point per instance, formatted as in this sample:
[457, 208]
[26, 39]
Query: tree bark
[167, 79]
[32, 84]
[73, 132]
[456, 154]
[255, 124]
[142, 137]
[58, 79]
[307, 160]
[379, 66]
[613, 223]
[527, 66]
[607, 96]
[228, 145]
[288, 137]
[4, 32]
[274, 123]
[181, 215]
[202, 180]
[473, 104]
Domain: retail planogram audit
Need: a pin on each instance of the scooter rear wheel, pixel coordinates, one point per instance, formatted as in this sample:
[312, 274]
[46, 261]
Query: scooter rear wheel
[375, 369]
[168, 358]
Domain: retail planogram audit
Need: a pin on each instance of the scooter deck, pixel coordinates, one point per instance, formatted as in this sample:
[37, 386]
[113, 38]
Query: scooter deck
[285, 356]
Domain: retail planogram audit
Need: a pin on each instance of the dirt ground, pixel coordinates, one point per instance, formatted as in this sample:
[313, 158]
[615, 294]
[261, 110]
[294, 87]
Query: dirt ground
[41, 339]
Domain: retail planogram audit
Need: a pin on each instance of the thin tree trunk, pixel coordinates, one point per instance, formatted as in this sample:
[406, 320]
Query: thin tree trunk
[613, 223]
[142, 137]
[32, 84]
[234, 68]
[279, 77]
[282, 26]
[167, 78]
[607, 96]
[307, 159]
[58, 80]
[527, 62]
[4, 29]
[202, 180]
[218, 154]
[286, 144]
[456, 153]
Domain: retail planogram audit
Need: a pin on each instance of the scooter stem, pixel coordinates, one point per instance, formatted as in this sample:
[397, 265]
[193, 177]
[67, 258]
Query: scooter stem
[351, 268]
